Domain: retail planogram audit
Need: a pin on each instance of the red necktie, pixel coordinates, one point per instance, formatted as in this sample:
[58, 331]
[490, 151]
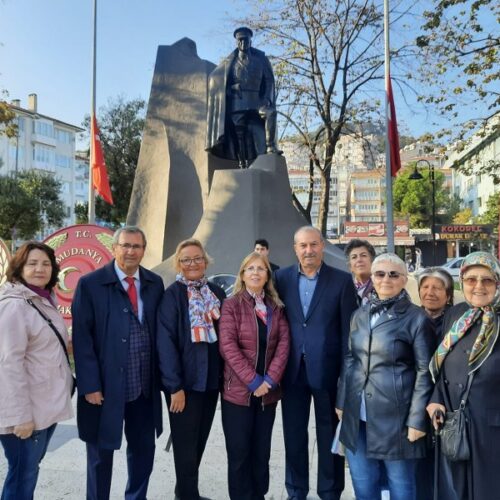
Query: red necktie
[132, 293]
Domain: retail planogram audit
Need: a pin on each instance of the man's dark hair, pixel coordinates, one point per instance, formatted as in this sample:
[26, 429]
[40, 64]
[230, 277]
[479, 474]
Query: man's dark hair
[262, 242]
[356, 243]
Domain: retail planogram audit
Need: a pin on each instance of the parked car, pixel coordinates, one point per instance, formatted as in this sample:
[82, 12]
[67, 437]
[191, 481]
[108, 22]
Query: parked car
[453, 267]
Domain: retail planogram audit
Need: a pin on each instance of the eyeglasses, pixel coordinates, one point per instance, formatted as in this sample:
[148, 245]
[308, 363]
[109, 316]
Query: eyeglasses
[393, 275]
[128, 246]
[484, 280]
[253, 269]
[187, 261]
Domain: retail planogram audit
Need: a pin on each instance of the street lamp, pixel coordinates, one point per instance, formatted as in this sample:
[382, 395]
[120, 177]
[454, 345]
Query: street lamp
[417, 176]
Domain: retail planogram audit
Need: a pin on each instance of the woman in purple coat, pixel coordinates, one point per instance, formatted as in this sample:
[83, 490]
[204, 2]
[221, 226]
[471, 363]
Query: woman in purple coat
[254, 342]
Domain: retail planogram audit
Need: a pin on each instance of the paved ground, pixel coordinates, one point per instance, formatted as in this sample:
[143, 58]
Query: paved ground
[62, 474]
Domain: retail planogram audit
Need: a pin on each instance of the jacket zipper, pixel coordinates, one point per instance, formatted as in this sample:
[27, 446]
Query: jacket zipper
[257, 356]
[265, 354]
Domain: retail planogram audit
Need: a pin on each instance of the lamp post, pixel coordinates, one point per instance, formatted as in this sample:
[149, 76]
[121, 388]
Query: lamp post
[416, 176]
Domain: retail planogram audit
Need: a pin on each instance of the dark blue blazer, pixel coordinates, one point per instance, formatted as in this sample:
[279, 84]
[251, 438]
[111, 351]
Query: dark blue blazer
[184, 364]
[324, 331]
[101, 330]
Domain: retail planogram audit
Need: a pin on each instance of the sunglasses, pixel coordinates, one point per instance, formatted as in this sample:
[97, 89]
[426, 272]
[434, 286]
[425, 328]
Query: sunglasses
[393, 275]
[474, 280]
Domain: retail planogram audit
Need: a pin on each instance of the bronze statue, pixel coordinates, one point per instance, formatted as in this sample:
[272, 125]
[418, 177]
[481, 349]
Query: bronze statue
[241, 117]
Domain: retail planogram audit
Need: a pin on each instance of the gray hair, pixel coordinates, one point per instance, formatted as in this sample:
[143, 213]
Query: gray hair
[305, 229]
[392, 258]
[128, 229]
[440, 274]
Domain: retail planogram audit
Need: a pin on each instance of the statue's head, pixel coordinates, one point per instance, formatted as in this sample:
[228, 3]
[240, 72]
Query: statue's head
[243, 37]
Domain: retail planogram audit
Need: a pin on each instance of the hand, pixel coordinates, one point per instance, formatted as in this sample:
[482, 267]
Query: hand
[177, 401]
[262, 390]
[94, 398]
[431, 409]
[24, 431]
[339, 413]
[414, 434]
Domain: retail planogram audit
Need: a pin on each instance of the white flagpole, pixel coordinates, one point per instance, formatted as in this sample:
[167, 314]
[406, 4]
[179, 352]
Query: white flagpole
[91, 212]
[388, 176]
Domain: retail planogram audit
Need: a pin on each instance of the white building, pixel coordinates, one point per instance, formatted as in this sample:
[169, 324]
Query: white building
[45, 144]
[482, 151]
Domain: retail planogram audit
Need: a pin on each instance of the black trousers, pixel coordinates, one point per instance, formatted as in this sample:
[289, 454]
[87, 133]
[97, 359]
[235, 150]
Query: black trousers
[248, 431]
[140, 434]
[190, 430]
[296, 405]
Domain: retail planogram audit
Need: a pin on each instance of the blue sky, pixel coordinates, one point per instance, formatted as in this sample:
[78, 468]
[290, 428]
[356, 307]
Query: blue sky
[46, 47]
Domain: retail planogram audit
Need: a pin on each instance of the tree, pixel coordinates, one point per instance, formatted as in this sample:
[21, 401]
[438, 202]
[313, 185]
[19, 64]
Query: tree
[460, 46]
[7, 117]
[326, 56]
[412, 198]
[463, 217]
[121, 123]
[29, 203]
[490, 216]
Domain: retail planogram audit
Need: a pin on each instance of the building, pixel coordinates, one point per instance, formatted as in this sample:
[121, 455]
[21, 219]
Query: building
[366, 199]
[45, 144]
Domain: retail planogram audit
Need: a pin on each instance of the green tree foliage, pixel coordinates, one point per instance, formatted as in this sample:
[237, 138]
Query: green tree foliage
[463, 216]
[30, 202]
[121, 124]
[327, 56]
[8, 125]
[460, 46]
[490, 216]
[413, 198]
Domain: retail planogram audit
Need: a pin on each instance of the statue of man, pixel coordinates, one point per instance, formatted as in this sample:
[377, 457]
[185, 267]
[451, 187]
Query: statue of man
[241, 117]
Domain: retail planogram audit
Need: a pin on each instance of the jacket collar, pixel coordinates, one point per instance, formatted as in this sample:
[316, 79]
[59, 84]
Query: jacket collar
[109, 275]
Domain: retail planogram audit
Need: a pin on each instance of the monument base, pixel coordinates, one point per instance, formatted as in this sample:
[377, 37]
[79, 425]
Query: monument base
[244, 205]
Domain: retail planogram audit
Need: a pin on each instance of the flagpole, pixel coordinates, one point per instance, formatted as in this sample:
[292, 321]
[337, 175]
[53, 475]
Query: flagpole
[388, 175]
[91, 212]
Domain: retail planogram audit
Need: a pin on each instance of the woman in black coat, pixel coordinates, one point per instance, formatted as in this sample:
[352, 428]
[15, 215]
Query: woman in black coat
[189, 361]
[470, 346]
[385, 386]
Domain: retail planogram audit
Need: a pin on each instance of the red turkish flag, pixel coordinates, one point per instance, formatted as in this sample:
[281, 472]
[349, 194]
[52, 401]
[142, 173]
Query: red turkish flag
[392, 127]
[99, 173]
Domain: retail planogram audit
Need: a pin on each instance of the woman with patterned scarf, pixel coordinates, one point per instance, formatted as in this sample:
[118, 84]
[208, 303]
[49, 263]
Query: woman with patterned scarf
[189, 361]
[470, 347]
[385, 385]
[254, 342]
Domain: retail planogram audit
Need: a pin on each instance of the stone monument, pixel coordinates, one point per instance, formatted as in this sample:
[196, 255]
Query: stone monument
[182, 191]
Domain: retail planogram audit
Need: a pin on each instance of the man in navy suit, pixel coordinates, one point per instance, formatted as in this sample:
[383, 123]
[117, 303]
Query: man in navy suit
[114, 324]
[319, 301]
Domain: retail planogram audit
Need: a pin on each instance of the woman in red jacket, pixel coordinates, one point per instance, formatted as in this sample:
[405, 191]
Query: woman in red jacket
[254, 342]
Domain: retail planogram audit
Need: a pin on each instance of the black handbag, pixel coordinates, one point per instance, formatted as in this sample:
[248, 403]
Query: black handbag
[454, 434]
[61, 341]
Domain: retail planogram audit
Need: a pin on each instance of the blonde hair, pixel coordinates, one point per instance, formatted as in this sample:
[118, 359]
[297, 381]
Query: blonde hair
[191, 242]
[269, 290]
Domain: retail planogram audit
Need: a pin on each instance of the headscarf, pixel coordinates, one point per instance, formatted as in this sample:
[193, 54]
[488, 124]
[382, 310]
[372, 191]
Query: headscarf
[488, 332]
[204, 308]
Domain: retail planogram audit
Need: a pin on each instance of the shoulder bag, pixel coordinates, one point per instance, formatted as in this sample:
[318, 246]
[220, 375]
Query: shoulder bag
[61, 341]
[454, 434]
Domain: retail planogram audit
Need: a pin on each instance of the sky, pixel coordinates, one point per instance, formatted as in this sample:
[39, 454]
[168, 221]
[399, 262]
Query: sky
[46, 48]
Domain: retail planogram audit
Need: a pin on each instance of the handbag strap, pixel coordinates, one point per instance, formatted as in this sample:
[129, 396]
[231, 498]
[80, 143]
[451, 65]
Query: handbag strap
[49, 321]
[465, 395]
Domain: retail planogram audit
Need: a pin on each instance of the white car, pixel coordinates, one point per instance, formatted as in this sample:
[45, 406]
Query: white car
[453, 267]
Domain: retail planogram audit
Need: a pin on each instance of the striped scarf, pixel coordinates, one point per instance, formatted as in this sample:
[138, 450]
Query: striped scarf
[488, 333]
[204, 308]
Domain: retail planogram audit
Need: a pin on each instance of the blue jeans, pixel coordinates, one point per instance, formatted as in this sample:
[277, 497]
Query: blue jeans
[366, 473]
[24, 457]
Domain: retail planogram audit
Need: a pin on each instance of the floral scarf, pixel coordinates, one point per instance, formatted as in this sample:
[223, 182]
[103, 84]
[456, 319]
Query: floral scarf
[204, 308]
[488, 332]
[260, 306]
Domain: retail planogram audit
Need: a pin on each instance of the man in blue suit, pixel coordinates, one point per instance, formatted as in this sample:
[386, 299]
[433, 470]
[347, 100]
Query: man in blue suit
[114, 325]
[319, 301]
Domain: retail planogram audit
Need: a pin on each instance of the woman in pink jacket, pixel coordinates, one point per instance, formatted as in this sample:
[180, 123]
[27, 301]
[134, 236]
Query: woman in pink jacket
[35, 377]
[254, 342]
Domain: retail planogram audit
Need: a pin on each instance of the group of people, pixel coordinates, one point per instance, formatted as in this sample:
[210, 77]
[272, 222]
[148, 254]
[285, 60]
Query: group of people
[373, 362]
